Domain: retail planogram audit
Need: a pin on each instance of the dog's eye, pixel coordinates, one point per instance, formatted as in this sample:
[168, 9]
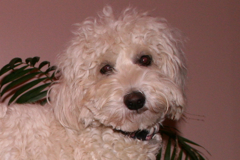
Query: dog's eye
[106, 69]
[145, 60]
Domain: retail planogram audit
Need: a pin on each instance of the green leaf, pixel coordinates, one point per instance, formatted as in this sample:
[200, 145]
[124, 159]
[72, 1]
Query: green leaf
[43, 64]
[24, 88]
[4, 69]
[180, 155]
[159, 155]
[15, 74]
[168, 150]
[50, 69]
[28, 60]
[188, 149]
[11, 65]
[168, 132]
[28, 96]
[44, 101]
[34, 60]
[19, 81]
[201, 157]
[185, 145]
[37, 97]
[188, 141]
[174, 152]
[7, 68]
[14, 61]
[53, 75]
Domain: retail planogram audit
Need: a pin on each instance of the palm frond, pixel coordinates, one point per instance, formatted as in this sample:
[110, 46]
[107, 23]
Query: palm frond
[177, 147]
[23, 82]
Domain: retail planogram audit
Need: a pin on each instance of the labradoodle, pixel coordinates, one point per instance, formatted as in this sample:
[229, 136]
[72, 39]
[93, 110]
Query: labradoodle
[120, 78]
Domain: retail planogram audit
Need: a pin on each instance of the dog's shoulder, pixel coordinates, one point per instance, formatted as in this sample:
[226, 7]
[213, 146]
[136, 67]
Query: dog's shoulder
[31, 111]
[26, 116]
[31, 132]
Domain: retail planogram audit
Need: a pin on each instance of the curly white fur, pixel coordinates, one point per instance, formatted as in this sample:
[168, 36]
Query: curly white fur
[87, 107]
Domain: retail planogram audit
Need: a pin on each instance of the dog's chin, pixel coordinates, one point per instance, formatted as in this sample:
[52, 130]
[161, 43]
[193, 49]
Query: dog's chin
[143, 135]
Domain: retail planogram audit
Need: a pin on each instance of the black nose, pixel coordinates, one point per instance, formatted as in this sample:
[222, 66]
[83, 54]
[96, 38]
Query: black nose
[134, 100]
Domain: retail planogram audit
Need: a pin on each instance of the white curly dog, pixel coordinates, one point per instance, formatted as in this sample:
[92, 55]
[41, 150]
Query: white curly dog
[120, 78]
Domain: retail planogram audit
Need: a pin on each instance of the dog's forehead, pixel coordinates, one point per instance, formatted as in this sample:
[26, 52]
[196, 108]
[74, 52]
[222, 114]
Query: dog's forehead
[118, 41]
[118, 47]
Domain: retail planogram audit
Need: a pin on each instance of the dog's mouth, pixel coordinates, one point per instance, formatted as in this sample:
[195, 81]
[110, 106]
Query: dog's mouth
[143, 135]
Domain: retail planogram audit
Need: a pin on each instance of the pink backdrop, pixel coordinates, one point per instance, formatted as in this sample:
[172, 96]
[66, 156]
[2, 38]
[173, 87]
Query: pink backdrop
[42, 28]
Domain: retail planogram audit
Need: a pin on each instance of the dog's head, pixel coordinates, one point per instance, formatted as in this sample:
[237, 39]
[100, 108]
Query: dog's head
[127, 73]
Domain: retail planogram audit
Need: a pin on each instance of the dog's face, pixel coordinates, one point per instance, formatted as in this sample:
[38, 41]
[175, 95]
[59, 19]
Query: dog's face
[127, 73]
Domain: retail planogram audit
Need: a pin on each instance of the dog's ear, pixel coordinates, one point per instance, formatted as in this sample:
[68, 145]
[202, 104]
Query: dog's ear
[66, 97]
[176, 110]
[176, 69]
[173, 64]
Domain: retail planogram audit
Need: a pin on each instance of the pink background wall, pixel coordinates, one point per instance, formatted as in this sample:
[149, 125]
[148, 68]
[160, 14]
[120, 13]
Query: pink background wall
[42, 28]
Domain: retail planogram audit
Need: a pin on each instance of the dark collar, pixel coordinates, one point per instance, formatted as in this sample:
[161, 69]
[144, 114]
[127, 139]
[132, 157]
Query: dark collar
[142, 135]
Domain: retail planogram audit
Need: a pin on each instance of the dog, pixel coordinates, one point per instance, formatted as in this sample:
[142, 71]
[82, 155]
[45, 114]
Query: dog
[120, 78]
